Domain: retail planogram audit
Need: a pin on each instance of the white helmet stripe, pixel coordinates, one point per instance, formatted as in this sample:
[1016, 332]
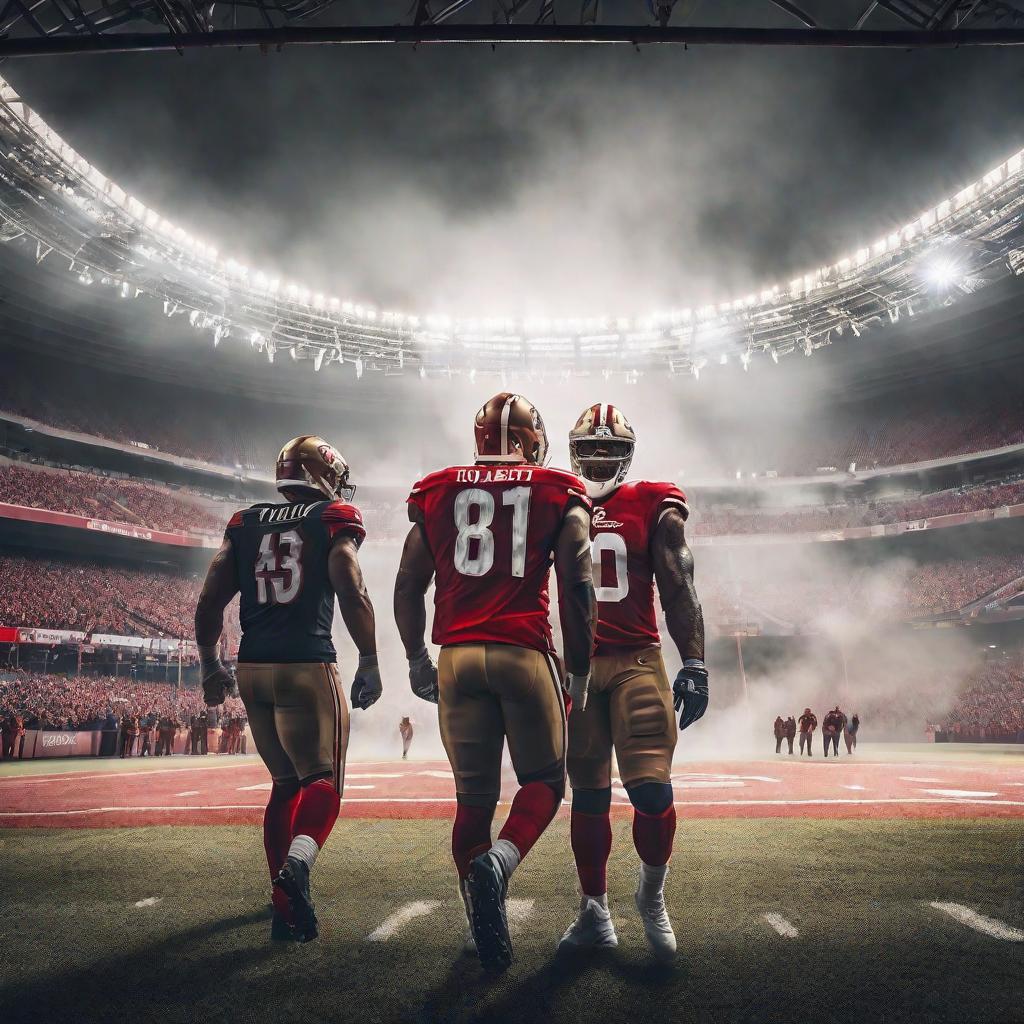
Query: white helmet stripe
[505, 414]
[602, 415]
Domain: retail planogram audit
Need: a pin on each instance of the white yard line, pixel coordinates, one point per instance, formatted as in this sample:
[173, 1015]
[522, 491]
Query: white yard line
[395, 922]
[784, 928]
[958, 792]
[986, 925]
[150, 901]
[189, 792]
[917, 778]
[851, 786]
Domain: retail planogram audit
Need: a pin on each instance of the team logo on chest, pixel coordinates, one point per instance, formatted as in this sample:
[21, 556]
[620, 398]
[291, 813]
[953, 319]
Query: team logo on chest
[600, 522]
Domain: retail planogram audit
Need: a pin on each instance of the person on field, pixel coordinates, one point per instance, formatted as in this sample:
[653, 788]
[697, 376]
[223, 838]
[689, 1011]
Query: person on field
[850, 733]
[790, 732]
[405, 730]
[780, 733]
[808, 723]
[832, 726]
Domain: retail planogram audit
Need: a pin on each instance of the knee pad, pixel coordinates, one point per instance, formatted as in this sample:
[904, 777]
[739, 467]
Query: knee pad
[284, 789]
[592, 801]
[316, 777]
[553, 776]
[650, 797]
[477, 800]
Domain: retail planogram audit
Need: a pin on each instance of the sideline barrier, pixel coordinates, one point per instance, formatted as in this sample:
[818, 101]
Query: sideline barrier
[39, 743]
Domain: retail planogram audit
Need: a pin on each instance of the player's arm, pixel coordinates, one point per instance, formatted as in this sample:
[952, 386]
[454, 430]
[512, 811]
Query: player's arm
[415, 572]
[357, 612]
[220, 587]
[577, 605]
[673, 570]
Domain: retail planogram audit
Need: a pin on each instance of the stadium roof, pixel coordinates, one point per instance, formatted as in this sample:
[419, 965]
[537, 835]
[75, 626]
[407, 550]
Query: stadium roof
[55, 205]
[32, 27]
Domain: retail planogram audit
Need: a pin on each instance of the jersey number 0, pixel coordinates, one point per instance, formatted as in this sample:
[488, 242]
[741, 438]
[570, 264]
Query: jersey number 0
[477, 560]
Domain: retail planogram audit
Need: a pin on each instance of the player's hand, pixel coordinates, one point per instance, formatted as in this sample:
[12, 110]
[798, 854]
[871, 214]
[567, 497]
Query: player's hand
[577, 687]
[218, 683]
[423, 676]
[690, 692]
[366, 687]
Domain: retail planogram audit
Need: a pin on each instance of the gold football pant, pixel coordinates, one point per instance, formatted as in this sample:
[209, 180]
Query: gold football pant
[298, 718]
[488, 692]
[629, 708]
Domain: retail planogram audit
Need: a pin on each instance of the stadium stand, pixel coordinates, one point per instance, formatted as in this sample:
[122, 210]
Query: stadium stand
[722, 521]
[897, 590]
[105, 497]
[96, 597]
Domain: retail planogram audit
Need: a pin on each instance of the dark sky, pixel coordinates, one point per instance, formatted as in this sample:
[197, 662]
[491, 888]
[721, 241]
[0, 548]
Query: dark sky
[537, 180]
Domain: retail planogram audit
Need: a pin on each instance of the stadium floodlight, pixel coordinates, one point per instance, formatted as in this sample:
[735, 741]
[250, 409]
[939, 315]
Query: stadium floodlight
[941, 272]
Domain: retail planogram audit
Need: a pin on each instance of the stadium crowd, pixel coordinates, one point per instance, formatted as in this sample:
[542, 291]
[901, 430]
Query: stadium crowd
[101, 702]
[894, 590]
[97, 597]
[104, 497]
[990, 709]
[716, 521]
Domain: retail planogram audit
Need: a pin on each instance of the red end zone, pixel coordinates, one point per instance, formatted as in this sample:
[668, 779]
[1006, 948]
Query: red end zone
[226, 791]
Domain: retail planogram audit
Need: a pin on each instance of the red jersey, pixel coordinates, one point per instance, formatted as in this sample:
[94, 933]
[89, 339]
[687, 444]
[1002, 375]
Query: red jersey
[621, 530]
[492, 530]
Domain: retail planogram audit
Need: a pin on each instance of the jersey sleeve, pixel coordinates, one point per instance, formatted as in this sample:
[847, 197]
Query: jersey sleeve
[341, 519]
[416, 503]
[571, 486]
[665, 496]
[233, 523]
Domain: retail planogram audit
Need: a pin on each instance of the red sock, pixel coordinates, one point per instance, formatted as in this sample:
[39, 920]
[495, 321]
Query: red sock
[277, 835]
[471, 835]
[591, 846]
[317, 811]
[532, 810]
[653, 835]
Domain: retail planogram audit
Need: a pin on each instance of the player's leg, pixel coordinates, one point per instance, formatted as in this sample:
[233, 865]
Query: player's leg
[644, 735]
[534, 718]
[255, 687]
[472, 731]
[312, 721]
[589, 763]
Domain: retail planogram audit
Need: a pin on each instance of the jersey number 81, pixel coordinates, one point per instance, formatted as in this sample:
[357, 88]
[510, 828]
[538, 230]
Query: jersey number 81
[478, 560]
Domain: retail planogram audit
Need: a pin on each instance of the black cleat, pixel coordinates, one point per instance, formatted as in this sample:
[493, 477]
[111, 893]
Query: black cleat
[281, 929]
[293, 880]
[487, 887]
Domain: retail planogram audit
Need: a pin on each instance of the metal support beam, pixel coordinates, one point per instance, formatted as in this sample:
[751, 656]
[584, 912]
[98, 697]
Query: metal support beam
[634, 35]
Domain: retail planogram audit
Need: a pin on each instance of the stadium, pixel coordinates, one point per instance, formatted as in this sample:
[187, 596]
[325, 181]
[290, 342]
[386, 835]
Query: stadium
[821, 347]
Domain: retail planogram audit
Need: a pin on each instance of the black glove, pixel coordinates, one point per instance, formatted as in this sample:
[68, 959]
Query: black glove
[218, 683]
[690, 692]
[423, 676]
[366, 687]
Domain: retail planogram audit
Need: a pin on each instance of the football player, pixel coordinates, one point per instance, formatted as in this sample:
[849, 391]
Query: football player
[487, 534]
[289, 561]
[638, 538]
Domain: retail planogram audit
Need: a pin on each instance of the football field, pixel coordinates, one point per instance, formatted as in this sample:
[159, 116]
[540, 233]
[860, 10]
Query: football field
[901, 911]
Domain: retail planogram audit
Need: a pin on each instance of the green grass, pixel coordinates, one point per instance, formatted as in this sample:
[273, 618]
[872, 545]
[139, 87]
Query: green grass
[75, 947]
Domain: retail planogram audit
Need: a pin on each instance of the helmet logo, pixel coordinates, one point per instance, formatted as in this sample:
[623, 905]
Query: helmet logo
[328, 454]
[603, 432]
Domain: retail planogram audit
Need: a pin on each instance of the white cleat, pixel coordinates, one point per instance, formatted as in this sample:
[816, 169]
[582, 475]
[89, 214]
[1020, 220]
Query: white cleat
[592, 928]
[657, 926]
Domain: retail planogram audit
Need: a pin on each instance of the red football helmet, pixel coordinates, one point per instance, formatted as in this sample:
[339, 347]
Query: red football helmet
[309, 463]
[601, 448]
[509, 429]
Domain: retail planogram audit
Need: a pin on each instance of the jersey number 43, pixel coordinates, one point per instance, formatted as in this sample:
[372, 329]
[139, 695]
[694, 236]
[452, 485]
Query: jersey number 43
[279, 568]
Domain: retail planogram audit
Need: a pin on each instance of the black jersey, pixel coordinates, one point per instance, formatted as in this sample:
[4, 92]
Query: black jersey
[287, 602]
